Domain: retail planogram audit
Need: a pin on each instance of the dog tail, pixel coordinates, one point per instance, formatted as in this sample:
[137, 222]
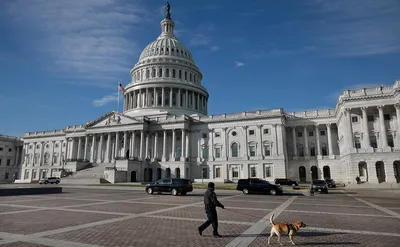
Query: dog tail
[271, 219]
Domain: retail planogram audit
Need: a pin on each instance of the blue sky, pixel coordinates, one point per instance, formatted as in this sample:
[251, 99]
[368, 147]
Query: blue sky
[60, 61]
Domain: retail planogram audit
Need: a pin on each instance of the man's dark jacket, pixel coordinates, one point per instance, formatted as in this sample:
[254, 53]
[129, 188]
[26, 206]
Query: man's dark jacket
[210, 200]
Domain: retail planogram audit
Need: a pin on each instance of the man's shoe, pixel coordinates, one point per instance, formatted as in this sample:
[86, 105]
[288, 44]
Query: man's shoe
[217, 236]
[200, 231]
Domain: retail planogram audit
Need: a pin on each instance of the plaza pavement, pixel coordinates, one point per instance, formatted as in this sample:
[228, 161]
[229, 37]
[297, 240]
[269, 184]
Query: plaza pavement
[96, 216]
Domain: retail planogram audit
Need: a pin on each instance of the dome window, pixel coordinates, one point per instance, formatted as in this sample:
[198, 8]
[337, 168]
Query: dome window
[147, 74]
[173, 73]
[190, 77]
[160, 72]
[185, 76]
[180, 74]
[154, 73]
[172, 49]
[167, 73]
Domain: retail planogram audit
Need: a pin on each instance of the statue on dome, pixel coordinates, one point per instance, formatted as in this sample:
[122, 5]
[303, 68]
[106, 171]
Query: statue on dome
[167, 8]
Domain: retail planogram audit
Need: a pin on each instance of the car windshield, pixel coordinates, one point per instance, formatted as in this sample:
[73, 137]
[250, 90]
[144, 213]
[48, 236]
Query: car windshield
[318, 181]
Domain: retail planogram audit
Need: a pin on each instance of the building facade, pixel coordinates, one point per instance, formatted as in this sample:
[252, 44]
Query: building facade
[11, 153]
[165, 131]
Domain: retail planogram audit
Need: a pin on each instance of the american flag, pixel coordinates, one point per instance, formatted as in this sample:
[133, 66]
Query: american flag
[121, 87]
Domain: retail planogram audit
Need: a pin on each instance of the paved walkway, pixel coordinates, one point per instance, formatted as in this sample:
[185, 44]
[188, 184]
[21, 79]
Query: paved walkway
[129, 217]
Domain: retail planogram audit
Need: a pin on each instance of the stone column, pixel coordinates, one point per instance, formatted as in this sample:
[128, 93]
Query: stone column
[210, 145]
[383, 136]
[246, 144]
[306, 153]
[198, 102]
[294, 142]
[108, 147]
[192, 101]
[349, 129]
[366, 138]
[225, 154]
[117, 146]
[330, 144]
[173, 145]
[187, 145]
[53, 143]
[274, 146]
[183, 139]
[146, 156]
[164, 152]
[100, 155]
[92, 158]
[79, 148]
[260, 143]
[125, 143]
[61, 152]
[397, 106]
[155, 100]
[86, 147]
[141, 144]
[163, 96]
[170, 97]
[146, 100]
[155, 145]
[178, 99]
[186, 99]
[280, 139]
[132, 149]
[319, 153]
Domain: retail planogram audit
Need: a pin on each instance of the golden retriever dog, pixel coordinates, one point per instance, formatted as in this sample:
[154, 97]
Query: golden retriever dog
[284, 228]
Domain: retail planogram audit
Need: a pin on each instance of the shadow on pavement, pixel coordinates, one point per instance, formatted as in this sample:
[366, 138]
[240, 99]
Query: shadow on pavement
[302, 234]
[328, 243]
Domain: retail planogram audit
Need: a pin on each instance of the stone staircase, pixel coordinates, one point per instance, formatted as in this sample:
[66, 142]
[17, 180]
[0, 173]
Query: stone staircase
[92, 175]
[367, 185]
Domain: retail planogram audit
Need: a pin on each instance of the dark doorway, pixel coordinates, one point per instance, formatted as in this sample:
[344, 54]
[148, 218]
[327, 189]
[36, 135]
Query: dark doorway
[327, 172]
[145, 175]
[133, 176]
[159, 173]
[302, 174]
[150, 177]
[380, 171]
[314, 172]
[396, 169]
[168, 173]
[127, 154]
[363, 171]
[178, 172]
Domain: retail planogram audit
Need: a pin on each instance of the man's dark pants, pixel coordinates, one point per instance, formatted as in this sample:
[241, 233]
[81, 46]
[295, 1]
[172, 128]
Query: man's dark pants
[212, 218]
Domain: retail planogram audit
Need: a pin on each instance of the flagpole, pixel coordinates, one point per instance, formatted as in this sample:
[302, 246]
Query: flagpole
[118, 97]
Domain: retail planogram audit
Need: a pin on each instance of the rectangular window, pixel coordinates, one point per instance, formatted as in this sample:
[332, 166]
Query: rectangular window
[10, 149]
[235, 172]
[217, 172]
[267, 171]
[251, 132]
[267, 150]
[1, 149]
[322, 132]
[370, 118]
[312, 151]
[310, 133]
[26, 176]
[390, 141]
[324, 151]
[354, 119]
[386, 116]
[204, 135]
[217, 134]
[217, 152]
[299, 134]
[8, 162]
[252, 150]
[0, 162]
[180, 74]
[300, 150]
[205, 153]
[266, 131]
[373, 142]
[205, 172]
[253, 172]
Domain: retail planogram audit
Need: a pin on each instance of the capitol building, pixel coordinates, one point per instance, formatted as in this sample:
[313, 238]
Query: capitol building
[165, 131]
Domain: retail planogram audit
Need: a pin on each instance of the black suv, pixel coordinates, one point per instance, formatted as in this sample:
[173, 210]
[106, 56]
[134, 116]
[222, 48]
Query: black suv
[284, 181]
[256, 185]
[170, 185]
[330, 182]
[319, 185]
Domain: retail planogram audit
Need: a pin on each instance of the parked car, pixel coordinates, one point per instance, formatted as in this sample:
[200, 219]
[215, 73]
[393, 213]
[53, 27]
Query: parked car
[285, 181]
[174, 186]
[330, 182]
[51, 180]
[320, 185]
[256, 185]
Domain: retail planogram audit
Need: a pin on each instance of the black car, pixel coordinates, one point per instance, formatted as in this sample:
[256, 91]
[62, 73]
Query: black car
[170, 185]
[330, 182]
[285, 181]
[320, 185]
[256, 185]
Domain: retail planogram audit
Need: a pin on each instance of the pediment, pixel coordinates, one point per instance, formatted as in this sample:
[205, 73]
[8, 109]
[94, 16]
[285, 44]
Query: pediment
[112, 119]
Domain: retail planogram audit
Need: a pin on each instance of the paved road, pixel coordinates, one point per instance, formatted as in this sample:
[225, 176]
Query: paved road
[105, 217]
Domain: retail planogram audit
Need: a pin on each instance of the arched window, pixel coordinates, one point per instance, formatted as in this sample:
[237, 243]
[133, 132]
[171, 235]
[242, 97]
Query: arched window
[167, 73]
[357, 142]
[138, 75]
[147, 73]
[173, 73]
[46, 158]
[234, 150]
[160, 72]
[154, 73]
[180, 74]
[312, 149]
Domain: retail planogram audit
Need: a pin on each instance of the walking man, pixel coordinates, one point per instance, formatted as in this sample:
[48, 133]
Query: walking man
[211, 203]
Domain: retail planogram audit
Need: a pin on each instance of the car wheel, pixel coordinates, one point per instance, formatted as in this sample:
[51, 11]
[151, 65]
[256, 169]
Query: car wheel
[245, 191]
[174, 192]
[46, 182]
[149, 191]
[57, 182]
[273, 192]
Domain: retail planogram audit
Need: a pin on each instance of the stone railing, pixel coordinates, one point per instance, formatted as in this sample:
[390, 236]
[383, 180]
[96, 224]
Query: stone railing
[312, 114]
[44, 133]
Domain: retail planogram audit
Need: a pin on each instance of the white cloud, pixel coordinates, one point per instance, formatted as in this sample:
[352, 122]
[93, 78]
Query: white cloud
[214, 48]
[239, 64]
[106, 99]
[199, 39]
[82, 38]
